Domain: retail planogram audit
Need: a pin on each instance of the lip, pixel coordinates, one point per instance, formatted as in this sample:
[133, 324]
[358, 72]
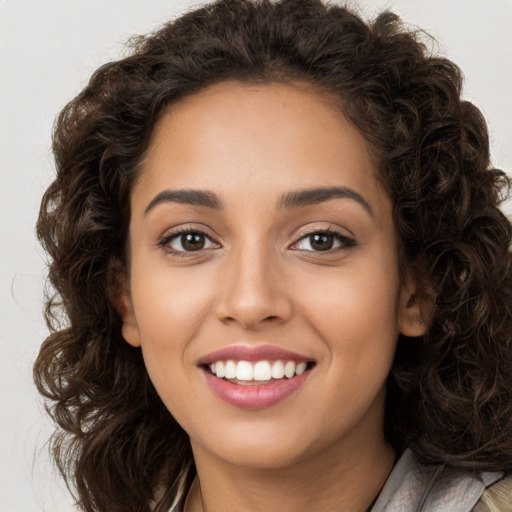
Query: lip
[252, 354]
[254, 396]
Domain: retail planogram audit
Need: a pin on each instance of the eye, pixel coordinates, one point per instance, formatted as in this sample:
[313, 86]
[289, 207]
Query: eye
[323, 241]
[187, 241]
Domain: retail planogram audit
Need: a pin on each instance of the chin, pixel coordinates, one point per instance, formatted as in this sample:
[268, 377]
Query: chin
[261, 445]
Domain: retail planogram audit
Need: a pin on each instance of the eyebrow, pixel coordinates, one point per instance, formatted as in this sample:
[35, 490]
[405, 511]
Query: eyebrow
[191, 197]
[295, 199]
[312, 196]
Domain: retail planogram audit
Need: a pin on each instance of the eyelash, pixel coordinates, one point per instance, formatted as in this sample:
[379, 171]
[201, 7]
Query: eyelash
[346, 242]
[164, 242]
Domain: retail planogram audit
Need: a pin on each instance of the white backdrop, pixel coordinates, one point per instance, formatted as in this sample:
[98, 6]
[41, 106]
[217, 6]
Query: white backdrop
[48, 49]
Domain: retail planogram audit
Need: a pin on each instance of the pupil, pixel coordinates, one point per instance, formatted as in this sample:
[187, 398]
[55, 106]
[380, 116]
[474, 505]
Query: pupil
[192, 241]
[322, 242]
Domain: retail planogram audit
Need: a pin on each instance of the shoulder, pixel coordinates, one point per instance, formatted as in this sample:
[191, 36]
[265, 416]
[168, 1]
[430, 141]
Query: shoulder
[416, 487]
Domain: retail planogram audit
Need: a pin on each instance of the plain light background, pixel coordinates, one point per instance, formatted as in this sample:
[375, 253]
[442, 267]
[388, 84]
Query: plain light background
[48, 50]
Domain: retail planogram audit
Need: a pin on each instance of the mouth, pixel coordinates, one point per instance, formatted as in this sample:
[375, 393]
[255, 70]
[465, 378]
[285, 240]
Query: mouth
[259, 372]
[255, 377]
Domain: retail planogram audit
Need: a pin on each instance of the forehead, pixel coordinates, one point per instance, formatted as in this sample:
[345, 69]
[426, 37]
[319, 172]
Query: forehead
[234, 138]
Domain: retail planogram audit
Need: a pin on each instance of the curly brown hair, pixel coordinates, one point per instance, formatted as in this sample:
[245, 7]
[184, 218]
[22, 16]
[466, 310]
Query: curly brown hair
[450, 391]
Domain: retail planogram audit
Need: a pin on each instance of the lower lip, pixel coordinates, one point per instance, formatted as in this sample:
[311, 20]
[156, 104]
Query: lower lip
[254, 396]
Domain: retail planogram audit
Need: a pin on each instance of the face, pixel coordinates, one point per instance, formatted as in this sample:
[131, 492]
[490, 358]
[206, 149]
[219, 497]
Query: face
[264, 287]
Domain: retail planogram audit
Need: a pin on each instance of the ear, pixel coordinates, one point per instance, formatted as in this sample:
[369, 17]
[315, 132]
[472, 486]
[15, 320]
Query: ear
[130, 328]
[414, 310]
[119, 291]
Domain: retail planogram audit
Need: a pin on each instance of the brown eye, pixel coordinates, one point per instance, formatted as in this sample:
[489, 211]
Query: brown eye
[324, 241]
[192, 241]
[188, 241]
[321, 241]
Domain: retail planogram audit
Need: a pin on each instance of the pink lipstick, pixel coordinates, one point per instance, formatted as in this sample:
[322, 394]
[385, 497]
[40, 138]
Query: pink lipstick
[247, 353]
[254, 377]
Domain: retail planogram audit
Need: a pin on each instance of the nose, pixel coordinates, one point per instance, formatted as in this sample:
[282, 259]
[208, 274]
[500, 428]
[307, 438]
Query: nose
[253, 290]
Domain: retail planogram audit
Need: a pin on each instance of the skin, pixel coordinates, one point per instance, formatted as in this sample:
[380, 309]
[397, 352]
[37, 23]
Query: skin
[258, 281]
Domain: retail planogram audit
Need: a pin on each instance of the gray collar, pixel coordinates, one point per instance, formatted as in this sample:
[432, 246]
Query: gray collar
[415, 487]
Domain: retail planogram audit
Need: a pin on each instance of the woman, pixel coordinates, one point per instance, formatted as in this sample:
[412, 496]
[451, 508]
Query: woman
[275, 237]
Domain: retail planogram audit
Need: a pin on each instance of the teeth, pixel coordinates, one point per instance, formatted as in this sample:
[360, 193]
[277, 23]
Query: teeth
[258, 371]
[289, 369]
[230, 370]
[244, 370]
[262, 371]
[300, 368]
[278, 370]
[219, 369]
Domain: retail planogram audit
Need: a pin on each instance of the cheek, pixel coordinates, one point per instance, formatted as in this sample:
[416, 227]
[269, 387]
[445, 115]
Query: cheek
[355, 311]
[170, 307]
[169, 299]
[357, 326]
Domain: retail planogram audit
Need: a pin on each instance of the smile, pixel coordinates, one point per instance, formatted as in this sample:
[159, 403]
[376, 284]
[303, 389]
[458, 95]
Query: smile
[255, 377]
[260, 371]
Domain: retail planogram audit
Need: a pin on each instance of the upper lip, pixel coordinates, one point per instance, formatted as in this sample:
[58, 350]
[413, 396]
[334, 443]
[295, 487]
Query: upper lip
[252, 353]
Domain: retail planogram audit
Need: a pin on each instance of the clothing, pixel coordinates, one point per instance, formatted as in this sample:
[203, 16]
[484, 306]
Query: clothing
[414, 487]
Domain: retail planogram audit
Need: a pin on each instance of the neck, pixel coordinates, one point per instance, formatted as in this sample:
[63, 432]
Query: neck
[333, 480]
